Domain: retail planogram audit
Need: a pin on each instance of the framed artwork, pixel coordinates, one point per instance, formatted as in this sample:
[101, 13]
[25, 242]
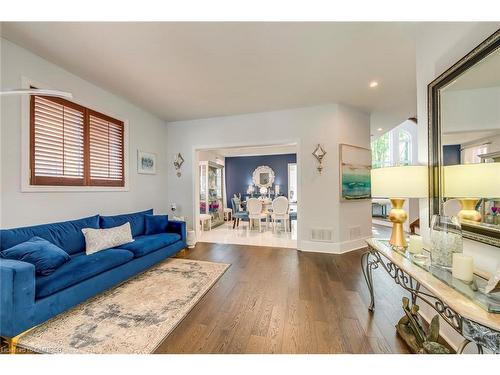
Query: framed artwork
[146, 162]
[355, 167]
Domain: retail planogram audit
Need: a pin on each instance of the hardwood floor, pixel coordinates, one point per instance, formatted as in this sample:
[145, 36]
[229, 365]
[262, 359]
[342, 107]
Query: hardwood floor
[276, 300]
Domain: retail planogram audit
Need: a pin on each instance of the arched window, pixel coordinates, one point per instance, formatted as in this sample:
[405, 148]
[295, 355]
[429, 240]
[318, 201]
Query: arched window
[404, 141]
[381, 151]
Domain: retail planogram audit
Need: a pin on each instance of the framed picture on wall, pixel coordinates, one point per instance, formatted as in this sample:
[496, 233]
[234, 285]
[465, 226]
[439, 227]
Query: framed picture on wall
[355, 167]
[146, 162]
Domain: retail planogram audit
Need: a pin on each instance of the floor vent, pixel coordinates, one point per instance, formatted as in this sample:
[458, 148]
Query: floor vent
[322, 235]
[354, 232]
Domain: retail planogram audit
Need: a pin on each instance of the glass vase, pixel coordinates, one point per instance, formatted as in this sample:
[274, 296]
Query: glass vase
[446, 239]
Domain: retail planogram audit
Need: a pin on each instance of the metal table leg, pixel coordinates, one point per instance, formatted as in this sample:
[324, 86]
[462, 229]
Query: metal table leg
[367, 267]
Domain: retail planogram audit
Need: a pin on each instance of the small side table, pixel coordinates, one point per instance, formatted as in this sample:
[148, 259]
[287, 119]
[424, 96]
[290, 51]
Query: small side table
[191, 239]
[228, 213]
[203, 219]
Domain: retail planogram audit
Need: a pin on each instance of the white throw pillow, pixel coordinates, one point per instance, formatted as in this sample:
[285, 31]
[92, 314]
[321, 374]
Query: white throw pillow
[102, 239]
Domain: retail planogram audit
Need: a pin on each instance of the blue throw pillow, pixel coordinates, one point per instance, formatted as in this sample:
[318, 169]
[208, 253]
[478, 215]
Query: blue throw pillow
[135, 219]
[156, 224]
[45, 256]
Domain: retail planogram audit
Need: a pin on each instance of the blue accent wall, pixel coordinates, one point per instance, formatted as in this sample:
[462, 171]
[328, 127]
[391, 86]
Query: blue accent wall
[451, 155]
[239, 170]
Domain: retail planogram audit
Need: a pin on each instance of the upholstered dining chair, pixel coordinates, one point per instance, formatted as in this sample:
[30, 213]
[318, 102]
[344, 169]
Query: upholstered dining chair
[280, 212]
[254, 208]
[237, 213]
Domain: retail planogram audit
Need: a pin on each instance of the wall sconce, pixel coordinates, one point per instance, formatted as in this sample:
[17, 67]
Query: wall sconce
[276, 190]
[179, 160]
[319, 153]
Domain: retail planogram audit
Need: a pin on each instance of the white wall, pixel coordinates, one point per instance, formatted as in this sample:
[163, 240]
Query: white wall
[146, 132]
[319, 206]
[439, 46]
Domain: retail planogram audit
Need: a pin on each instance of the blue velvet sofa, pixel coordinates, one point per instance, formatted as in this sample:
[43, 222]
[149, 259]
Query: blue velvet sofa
[27, 299]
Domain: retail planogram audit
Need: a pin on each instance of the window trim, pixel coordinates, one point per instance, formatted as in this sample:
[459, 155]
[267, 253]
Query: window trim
[25, 150]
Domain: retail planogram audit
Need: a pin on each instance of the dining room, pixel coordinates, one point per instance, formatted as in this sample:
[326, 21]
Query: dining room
[249, 195]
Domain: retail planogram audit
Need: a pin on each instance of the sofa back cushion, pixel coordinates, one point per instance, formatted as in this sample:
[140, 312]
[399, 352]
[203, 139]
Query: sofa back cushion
[136, 220]
[67, 234]
[156, 224]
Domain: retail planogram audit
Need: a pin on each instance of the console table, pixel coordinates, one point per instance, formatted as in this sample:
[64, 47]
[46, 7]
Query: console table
[471, 313]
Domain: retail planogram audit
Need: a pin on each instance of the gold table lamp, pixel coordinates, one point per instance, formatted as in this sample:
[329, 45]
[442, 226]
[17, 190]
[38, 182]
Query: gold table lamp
[399, 183]
[468, 183]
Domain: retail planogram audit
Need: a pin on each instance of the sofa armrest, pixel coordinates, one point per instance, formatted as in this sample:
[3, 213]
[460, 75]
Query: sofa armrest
[17, 293]
[179, 227]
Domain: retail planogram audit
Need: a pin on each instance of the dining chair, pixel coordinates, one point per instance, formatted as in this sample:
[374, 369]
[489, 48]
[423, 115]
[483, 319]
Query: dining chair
[237, 213]
[254, 208]
[280, 212]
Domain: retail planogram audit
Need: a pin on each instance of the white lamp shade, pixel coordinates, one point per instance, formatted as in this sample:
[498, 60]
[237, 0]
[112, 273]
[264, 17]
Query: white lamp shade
[400, 182]
[472, 180]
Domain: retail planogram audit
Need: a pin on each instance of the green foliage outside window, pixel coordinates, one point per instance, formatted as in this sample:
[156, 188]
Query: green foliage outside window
[381, 151]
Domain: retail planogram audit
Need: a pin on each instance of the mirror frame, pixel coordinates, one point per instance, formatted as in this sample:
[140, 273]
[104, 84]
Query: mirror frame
[256, 176]
[488, 46]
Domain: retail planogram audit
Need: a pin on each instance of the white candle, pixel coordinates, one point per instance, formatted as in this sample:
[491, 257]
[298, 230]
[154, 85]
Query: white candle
[463, 267]
[416, 244]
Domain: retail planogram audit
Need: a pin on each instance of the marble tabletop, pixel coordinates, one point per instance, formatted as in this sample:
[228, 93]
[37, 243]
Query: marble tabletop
[458, 302]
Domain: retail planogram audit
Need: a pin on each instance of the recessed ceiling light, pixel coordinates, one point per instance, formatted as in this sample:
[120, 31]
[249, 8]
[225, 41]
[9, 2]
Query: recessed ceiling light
[373, 84]
[380, 129]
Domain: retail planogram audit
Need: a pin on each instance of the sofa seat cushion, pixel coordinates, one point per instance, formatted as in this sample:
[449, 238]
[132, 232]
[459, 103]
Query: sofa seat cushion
[81, 267]
[143, 245]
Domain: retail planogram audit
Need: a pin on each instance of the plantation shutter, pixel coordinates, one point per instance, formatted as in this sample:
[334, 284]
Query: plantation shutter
[106, 137]
[74, 146]
[57, 142]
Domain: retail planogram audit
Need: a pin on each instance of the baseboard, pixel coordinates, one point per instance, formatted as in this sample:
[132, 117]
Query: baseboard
[332, 247]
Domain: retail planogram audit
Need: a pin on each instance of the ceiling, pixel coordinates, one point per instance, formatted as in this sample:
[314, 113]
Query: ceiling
[182, 71]
[458, 138]
[484, 74]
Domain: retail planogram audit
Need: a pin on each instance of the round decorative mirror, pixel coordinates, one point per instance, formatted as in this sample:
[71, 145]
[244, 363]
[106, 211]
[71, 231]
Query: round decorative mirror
[263, 176]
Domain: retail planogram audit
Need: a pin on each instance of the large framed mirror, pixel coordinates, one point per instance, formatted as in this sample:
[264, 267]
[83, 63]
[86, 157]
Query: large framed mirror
[464, 142]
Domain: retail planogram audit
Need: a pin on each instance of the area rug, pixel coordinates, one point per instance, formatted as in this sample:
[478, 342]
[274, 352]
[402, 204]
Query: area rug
[134, 317]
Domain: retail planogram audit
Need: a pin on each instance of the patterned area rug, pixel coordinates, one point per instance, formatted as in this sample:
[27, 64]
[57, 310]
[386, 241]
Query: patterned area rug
[134, 317]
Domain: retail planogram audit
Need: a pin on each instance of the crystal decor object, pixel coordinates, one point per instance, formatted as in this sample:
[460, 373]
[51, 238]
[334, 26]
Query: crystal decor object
[446, 239]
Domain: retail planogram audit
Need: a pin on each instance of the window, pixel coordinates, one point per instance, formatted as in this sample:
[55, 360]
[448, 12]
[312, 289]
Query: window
[404, 147]
[72, 145]
[381, 151]
[470, 154]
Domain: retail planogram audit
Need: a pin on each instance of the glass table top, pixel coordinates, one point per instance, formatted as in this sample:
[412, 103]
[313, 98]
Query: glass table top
[473, 290]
